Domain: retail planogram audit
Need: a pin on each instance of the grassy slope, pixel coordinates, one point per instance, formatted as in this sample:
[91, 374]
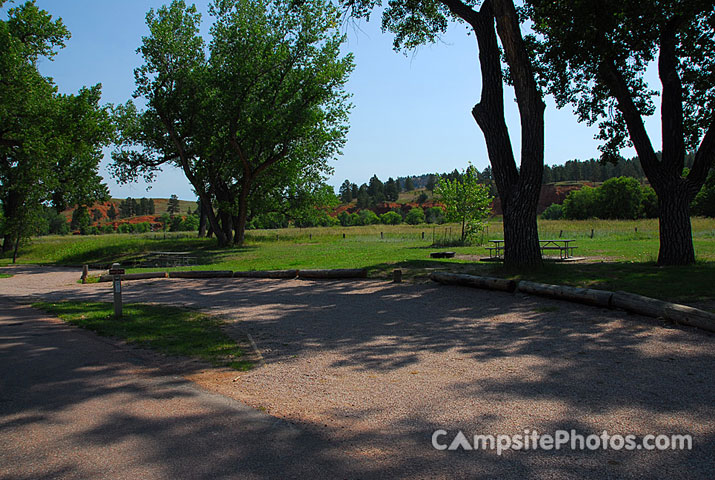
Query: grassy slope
[628, 255]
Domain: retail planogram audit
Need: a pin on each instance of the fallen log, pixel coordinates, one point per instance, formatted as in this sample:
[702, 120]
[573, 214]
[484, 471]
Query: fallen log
[202, 274]
[690, 316]
[489, 283]
[639, 304]
[651, 307]
[266, 274]
[589, 296]
[335, 273]
[134, 276]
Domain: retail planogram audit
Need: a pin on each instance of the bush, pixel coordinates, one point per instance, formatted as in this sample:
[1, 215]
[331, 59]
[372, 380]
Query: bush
[422, 198]
[580, 204]
[191, 223]
[124, 228]
[555, 211]
[704, 203]
[415, 216]
[391, 218]
[107, 228]
[368, 217]
[434, 215]
[620, 198]
[141, 227]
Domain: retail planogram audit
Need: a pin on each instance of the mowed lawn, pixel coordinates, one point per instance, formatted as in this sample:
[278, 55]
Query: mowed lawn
[620, 254]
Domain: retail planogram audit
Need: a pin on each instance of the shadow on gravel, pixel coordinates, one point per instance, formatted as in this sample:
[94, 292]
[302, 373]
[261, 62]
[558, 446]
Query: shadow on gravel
[591, 361]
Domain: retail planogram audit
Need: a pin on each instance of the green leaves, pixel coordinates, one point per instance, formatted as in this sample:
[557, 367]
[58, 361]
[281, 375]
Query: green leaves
[256, 119]
[50, 144]
[466, 200]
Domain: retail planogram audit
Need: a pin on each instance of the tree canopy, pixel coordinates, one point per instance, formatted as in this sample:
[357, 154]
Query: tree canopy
[50, 143]
[466, 200]
[257, 119]
[594, 55]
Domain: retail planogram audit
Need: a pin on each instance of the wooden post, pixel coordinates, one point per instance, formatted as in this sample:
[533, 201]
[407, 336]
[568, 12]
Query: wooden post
[343, 235]
[85, 272]
[397, 275]
[117, 273]
[381, 236]
[592, 233]
[561, 232]
[423, 235]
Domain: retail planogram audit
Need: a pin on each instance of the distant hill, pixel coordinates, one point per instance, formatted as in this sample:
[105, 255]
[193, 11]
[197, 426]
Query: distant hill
[160, 208]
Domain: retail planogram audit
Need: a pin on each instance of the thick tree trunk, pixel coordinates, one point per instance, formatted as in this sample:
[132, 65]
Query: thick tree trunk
[521, 233]
[518, 190]
[676, 237]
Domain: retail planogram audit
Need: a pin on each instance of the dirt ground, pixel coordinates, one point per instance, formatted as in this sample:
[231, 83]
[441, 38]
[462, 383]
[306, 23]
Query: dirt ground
[377, 367]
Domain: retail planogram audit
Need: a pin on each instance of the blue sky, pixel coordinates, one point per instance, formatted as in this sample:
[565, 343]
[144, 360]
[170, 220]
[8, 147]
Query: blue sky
[412, 113]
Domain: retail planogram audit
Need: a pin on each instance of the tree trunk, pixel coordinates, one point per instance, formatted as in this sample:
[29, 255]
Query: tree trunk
[676, 237]
[17, 247]
[518, 189]
[7, 243]
[202, 220]
[521, 234]
[240, 236]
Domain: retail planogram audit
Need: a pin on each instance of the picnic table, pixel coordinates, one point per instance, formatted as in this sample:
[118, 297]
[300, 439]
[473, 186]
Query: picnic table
[563, 245]
[170, 259]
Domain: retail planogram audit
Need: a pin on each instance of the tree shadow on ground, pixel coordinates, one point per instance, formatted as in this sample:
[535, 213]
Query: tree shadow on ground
[520, 351]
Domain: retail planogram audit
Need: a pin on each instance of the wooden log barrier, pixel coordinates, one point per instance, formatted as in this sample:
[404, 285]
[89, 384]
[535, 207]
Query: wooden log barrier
[489, 283]
[134, 276]
[589, 296]
[266, 274]
[652, 307]
[202, 274]
[335, 273]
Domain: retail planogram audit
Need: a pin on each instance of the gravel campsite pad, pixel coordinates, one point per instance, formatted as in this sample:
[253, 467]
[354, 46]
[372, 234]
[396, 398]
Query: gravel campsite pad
[377, 367]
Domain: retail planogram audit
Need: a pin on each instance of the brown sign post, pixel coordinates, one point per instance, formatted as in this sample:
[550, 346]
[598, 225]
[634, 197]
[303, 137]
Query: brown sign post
[117, 272]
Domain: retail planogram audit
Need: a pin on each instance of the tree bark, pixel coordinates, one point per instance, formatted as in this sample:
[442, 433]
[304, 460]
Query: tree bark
[240, 225]
[518, 189]
[676, 238]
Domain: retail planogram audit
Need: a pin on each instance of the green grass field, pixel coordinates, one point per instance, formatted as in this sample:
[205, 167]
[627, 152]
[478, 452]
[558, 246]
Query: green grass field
[170, 330]
[621, 255]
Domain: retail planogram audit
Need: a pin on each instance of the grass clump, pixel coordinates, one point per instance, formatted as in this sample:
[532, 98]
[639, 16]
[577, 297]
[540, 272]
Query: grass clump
[170, 330]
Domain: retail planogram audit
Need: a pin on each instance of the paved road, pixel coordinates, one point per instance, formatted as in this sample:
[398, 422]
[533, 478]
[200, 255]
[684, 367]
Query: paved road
[363, 372]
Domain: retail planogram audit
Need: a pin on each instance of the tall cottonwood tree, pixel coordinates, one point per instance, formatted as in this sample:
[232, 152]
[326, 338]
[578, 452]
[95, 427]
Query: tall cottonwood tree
[50, 144]
[265, 108]
[493, 21]
[594, 55]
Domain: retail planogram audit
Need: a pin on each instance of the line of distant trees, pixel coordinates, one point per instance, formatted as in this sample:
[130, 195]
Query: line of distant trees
[132, 208]
[591, 170]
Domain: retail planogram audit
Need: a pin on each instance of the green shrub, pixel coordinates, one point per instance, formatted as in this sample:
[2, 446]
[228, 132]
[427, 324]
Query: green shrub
[391, 218]
[434, 215]
[620, 198]
[368, 217]
[555, 211]
[704, 203]
[415, 216]
[581, 204]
